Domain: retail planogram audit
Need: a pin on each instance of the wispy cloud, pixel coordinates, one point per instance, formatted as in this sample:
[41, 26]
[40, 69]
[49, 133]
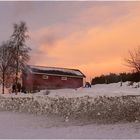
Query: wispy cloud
[96, 40]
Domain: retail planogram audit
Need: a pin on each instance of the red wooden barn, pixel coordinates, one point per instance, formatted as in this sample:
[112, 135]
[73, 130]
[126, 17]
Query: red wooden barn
[40, 77]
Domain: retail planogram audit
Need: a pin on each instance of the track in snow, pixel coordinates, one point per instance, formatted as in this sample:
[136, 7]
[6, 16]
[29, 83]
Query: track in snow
[19, 125]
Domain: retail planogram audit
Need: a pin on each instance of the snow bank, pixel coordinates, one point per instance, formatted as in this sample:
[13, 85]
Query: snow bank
[122, 104]
[110, 109]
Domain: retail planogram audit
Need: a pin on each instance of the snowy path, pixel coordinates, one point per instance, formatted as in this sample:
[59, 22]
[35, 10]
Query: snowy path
[19, 125]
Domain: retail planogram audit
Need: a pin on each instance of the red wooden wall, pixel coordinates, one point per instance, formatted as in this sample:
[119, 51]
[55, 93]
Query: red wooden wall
[36, 81]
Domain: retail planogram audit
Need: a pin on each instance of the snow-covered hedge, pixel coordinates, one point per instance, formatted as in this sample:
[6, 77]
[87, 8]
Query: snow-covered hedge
[110, 109]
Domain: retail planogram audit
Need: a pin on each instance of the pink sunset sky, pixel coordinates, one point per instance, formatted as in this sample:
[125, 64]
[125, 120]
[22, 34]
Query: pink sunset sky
[91, 36]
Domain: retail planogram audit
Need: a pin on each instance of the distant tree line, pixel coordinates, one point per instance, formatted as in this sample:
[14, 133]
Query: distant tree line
[114, 78]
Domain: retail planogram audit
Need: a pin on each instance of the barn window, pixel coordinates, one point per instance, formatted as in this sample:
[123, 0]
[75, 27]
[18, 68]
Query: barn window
[45, 77]
[63, 78]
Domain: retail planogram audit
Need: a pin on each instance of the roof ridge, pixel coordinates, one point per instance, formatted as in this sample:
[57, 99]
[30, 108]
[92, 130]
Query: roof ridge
[53, 67]
[66, 70]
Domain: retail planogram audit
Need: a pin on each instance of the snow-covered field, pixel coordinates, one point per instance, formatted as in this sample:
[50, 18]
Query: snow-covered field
[20, 126]
[113, 89]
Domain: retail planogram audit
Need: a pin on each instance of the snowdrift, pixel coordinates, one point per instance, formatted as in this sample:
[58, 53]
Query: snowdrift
[102, 108]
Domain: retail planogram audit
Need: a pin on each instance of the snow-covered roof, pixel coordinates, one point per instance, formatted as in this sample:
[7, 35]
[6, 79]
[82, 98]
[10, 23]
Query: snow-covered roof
[55, 71]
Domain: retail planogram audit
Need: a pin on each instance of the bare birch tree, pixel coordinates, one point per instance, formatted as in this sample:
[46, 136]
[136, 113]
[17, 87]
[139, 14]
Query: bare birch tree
[133, 60]
[21, 53]
[6, 61]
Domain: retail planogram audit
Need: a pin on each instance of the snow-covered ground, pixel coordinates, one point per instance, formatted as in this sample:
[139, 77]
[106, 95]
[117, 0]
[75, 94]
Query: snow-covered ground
[19, 126]
[113, 89]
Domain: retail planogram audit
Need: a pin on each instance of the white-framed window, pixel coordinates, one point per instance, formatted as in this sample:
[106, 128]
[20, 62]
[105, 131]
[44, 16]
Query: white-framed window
[45, 76]
[63, 78]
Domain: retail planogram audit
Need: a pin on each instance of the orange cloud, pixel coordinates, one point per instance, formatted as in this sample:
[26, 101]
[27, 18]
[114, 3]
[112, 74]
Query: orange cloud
[96, 48]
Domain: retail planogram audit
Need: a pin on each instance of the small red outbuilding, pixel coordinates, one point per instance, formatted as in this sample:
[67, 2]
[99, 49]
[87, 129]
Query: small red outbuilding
[40, 77]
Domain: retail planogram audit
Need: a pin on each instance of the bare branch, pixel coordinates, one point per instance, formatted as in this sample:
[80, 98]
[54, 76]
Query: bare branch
[133, 60]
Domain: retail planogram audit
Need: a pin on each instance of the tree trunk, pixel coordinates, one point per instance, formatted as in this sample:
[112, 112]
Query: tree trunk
[17, 67]
[16, 76]
[3, 82]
